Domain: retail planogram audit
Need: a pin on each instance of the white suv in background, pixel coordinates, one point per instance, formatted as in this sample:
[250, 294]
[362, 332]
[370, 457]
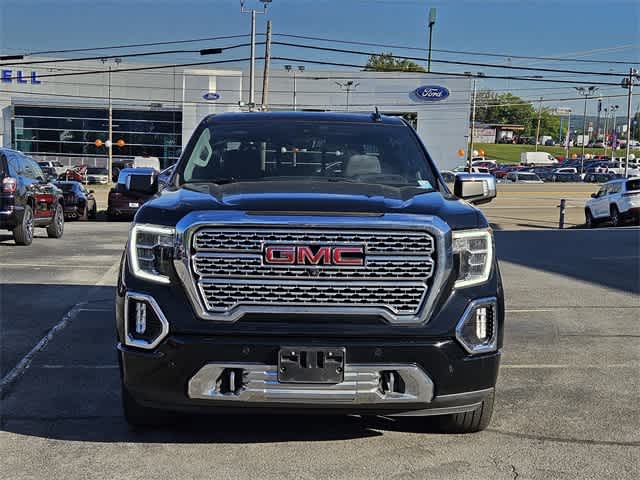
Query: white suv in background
[617, 201]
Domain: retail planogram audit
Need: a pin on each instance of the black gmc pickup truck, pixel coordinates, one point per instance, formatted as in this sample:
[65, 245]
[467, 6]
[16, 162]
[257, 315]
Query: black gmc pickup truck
[311, 262]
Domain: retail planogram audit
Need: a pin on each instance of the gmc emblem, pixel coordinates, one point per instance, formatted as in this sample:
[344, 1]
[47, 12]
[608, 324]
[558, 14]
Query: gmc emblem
[351, 256]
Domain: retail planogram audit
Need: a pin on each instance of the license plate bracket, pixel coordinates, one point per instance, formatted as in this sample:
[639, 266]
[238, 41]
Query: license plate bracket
[311, 365]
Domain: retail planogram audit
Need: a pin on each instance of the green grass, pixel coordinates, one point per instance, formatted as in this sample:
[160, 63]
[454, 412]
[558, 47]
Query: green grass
[505, 153]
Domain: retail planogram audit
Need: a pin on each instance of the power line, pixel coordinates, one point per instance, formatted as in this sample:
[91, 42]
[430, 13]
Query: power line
[137, 69]
[463, 52]
[204, 51]
[449, 74]
[132, 45]
[450, 62]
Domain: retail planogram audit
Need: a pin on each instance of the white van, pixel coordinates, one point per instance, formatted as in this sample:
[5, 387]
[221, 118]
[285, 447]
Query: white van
[146, 162]
[537, 158]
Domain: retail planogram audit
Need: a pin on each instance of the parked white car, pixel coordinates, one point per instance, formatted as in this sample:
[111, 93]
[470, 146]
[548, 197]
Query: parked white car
[617, 201]
[97, 175]
[523, 177]
[57, 166]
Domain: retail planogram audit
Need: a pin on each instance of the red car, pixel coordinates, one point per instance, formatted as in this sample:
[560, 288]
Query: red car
[135, 186]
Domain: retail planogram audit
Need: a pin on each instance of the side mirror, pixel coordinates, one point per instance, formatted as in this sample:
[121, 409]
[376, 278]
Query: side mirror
[594, 195]
[92, 191]
[144, 184]
[476, 188]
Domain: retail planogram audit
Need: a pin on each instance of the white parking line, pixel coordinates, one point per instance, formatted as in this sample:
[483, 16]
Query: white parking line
[529, 310]
[25, 362]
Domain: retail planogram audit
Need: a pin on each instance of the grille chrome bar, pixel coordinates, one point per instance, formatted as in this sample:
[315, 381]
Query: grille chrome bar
[251, 239]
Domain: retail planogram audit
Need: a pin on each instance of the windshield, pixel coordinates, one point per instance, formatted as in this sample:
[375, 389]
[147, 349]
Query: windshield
[65, 187]
[97, 171]
[366, 153]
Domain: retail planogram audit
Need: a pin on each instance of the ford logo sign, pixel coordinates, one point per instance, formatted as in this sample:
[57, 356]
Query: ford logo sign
[429, 93]
[211, 96]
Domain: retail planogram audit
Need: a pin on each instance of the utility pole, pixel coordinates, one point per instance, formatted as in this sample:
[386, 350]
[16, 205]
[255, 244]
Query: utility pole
[267, 67]
[586, 92]
[473, 127]
[606, 127]
[432, 22]
[597, 130]
[347, 86]
[252, 65]
[628, 84]
[538, 127]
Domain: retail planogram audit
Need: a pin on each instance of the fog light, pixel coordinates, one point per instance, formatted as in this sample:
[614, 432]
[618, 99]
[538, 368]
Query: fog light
[481, 323]
[145, 326]
[141, 317]
[477, 330]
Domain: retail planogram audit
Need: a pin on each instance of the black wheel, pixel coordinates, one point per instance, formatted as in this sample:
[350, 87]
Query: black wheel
[138, 416]
[469, 422]
[85, 214]
[615, 216]
[589, 221]
[23, 233]
[56, 227]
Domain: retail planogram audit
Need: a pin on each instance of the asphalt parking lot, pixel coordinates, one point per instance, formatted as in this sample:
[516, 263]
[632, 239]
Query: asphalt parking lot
[567, 397]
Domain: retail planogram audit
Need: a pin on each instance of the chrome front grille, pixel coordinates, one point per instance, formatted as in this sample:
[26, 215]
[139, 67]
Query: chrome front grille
[229, 272]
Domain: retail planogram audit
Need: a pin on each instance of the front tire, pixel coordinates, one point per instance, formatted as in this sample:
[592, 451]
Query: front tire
[23, 233]
[138, 416]
[615, 216]
[469, 422]
[589, 221]
[56, 227]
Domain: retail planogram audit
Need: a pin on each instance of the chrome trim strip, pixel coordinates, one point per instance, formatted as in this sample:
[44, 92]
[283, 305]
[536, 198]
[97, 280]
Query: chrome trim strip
[485, 347]
[133, 342]
[361, 385]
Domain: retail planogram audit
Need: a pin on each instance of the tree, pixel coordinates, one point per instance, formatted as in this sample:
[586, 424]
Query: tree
[386, 62]
[504, 108]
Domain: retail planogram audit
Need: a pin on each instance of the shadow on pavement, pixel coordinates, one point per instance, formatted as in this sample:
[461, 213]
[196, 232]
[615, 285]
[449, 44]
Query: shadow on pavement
[211, 429]
[607, 257]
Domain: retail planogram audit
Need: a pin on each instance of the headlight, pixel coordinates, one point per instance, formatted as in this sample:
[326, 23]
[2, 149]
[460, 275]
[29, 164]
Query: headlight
[474, 251]
[151, 251]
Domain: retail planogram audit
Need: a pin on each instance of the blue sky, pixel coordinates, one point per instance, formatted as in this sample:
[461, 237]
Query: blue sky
[591, 30]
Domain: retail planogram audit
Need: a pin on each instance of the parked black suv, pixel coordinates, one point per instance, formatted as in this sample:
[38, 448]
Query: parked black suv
[311, 262]
[27, 199]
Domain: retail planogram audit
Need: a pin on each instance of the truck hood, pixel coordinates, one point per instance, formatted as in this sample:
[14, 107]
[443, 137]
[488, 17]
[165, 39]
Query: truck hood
[341, 198]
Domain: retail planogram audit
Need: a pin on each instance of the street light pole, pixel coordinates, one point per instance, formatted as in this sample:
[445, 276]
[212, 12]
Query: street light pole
[586, 92]
[252, 64]
[289, 68]
[606, 127]
[473, 127]
[432, 22]
[347, 86]
[628, 84]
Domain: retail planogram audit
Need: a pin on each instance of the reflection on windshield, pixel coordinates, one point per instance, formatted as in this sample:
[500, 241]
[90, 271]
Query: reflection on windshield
[379, 154]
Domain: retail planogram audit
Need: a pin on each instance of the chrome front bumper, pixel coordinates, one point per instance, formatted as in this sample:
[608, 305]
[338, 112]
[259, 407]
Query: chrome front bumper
[361, 386]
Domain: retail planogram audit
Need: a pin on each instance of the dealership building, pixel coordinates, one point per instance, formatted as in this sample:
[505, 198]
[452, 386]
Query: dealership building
[58, 111]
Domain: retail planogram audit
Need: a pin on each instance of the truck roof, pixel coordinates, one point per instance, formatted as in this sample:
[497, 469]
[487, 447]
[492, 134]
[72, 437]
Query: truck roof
[303, 116]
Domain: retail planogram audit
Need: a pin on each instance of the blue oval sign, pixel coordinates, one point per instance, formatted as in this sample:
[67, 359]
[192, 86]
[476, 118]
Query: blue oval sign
[429, 93]
[211, 96]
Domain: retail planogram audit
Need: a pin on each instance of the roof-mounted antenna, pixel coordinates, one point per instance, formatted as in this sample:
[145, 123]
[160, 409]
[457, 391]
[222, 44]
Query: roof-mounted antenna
[376, 115]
